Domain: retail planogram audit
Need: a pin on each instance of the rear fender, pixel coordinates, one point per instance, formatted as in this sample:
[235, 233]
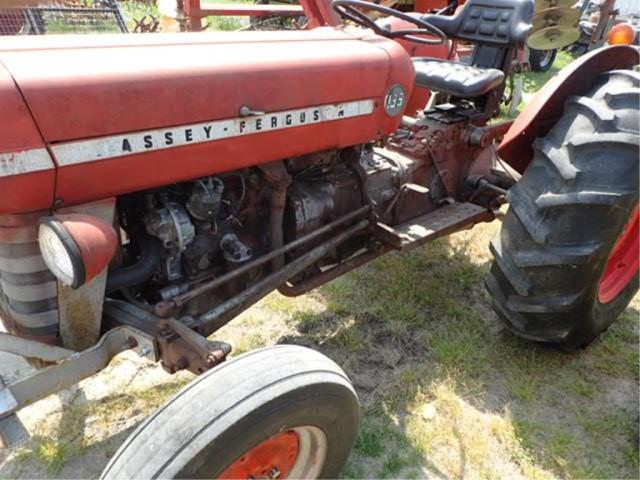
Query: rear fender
[547, 106]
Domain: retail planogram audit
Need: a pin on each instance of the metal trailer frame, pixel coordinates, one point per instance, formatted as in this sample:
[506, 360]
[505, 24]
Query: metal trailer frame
[318, 13]
[33, 17]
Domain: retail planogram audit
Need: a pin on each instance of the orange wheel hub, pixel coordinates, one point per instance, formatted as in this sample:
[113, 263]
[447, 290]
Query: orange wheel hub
[624, 261]
[273, 458]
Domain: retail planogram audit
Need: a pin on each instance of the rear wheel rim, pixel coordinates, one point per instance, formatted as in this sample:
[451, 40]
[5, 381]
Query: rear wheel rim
[546, 58]
[296, 453]
[623, 263]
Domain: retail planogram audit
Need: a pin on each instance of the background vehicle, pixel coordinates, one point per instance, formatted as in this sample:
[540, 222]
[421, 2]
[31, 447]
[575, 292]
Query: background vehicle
[288, 182]
[30, 17]
[598, 18]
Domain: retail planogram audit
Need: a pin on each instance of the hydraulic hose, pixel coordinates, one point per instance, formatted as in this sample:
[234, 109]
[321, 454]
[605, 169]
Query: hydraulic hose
[139, 272]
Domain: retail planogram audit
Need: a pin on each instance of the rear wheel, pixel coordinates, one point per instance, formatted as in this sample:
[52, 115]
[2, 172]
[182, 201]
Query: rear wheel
[542, 60]
[566, 259]
[278, 412]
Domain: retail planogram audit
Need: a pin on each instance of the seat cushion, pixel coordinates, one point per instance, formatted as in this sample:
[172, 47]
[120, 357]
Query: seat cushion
[455, 78]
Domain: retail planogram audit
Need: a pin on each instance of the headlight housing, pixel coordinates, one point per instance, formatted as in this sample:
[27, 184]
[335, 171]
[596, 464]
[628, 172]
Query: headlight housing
[622, 34]
[76, 247]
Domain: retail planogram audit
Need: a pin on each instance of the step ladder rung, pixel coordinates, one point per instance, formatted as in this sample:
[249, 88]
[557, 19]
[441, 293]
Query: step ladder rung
[427, 227]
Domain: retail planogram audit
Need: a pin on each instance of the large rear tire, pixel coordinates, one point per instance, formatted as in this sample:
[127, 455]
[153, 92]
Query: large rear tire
[278, 412]
[558, 274]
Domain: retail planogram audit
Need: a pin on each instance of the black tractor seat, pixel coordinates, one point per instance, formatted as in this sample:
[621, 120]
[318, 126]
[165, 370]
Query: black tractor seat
[496, 28]
[455, 78]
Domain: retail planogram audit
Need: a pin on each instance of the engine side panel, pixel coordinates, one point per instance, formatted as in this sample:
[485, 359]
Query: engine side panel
[27, 172]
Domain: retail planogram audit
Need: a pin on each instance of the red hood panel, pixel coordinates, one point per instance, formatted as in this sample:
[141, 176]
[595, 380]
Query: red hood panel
[27, 172]
[126, 113]
[88, 87]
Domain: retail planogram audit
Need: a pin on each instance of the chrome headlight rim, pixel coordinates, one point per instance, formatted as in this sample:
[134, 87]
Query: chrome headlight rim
[71, 249]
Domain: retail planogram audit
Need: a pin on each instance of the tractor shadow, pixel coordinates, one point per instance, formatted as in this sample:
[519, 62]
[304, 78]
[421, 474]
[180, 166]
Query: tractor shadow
[61, 447]
[448, 392]
[73, 436]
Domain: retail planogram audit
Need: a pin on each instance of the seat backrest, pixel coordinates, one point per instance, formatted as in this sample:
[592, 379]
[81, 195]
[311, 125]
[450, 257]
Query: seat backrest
[497, 23]
[497, 27]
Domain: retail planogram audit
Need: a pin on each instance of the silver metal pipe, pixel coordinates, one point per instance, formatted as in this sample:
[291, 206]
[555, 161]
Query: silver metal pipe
[25, 347]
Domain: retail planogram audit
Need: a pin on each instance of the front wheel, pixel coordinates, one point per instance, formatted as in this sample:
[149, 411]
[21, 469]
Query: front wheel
[542, 60]
[278, 412]
[567, 256]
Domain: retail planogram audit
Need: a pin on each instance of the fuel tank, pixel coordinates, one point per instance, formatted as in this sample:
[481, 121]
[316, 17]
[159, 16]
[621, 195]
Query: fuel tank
[123, 113]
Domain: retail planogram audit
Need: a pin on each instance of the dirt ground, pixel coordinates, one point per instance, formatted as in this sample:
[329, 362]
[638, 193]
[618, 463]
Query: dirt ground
[446, 391]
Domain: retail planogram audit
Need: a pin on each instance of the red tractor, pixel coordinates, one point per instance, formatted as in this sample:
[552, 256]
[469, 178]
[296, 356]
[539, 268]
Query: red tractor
[154, 187]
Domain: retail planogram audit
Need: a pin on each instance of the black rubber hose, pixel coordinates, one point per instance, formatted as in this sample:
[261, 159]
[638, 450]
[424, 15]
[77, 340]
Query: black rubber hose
[139, 272]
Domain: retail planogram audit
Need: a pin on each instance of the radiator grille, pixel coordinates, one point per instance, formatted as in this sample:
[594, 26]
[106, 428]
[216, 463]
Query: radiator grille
[28, 290]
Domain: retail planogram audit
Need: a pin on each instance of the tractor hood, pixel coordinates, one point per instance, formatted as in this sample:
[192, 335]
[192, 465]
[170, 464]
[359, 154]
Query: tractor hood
[132, 112]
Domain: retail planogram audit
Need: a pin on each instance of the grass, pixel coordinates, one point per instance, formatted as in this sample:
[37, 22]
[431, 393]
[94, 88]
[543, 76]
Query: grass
[534, 81]
[53, 454]
[370, 442]
[503, 407]
[497, 406]
[393, 465]
[81, 426]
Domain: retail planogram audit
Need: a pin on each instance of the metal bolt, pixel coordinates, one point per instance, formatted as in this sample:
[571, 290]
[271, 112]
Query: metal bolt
[274, 473]
[163, 309]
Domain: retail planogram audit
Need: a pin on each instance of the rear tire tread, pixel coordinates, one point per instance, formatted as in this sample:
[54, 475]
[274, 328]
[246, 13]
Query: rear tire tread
[601, 116]
[545, 278]
[554, 156]
[516, 278]
[555, 255]
[543, 304]
[584, 199]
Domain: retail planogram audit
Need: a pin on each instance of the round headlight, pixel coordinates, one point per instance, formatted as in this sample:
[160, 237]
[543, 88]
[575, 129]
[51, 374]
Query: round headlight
[61, 253]
[76, 247]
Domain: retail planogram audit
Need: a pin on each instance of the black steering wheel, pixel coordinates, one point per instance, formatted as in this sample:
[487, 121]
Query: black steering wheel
[349, 9]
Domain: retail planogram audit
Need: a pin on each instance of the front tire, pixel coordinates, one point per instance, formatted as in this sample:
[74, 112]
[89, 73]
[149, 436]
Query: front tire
[278, 412]
[573, 208]
[542, 60]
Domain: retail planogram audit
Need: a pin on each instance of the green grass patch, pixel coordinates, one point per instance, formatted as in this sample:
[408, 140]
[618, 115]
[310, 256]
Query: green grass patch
[534, 81]
[248, 343]
[370, 442]
[393, 465]
[53, 454]
[350, 339]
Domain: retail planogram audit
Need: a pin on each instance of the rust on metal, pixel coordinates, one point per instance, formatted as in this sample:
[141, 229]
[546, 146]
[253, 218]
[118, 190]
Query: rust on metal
[81, 308]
